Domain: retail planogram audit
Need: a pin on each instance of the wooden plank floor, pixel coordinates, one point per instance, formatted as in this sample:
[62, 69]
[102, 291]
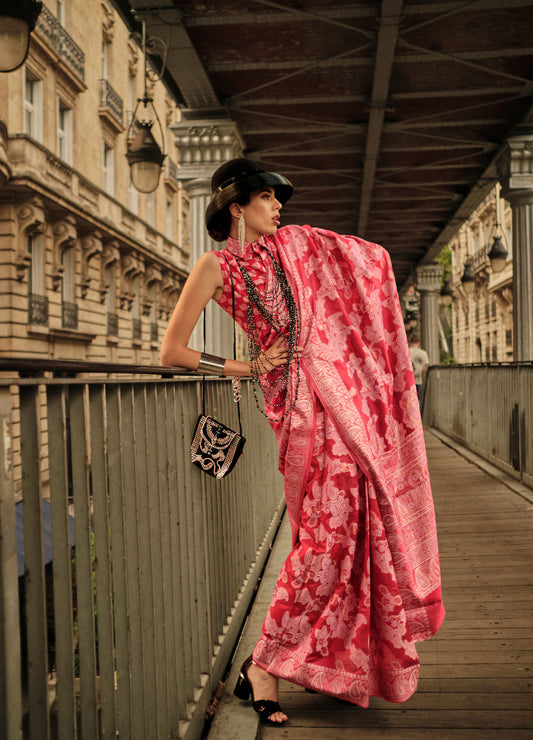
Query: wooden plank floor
[477, 673]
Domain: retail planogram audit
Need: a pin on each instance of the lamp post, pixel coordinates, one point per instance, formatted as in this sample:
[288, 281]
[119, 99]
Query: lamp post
[17, 21]
[144, 153]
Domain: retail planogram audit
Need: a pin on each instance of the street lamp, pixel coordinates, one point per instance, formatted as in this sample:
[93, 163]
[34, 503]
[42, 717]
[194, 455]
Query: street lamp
[468, 279]
[144, 153]
[497, 255]
[17, 21]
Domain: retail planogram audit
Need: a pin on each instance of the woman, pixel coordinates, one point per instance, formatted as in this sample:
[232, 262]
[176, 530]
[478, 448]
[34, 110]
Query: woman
[328, 347]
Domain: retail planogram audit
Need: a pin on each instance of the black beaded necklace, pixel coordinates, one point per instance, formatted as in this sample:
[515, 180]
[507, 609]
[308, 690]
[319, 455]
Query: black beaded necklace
[278, 308]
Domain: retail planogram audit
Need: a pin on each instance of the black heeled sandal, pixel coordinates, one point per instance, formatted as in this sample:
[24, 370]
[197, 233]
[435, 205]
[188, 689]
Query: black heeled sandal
[265, 708]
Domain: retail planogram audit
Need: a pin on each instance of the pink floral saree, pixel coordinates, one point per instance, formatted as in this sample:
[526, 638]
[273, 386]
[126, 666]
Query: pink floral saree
[362, 582]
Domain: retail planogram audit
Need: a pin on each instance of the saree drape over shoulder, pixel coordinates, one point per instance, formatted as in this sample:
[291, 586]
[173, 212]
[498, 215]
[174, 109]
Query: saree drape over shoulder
[362, 582]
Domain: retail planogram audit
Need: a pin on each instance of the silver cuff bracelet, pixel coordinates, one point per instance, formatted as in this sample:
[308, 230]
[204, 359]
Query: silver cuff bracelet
[211, 365]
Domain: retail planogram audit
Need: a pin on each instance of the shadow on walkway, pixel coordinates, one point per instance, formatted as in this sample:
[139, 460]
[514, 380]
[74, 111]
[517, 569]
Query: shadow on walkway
[476, 678]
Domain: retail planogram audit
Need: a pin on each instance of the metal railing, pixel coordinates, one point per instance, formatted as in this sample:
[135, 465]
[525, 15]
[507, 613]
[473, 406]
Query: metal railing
[110, 100]
[129, 627]
[61, 42]
[487, 408]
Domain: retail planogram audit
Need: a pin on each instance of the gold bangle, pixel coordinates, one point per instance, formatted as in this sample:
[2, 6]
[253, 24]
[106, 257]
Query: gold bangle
[211, 365]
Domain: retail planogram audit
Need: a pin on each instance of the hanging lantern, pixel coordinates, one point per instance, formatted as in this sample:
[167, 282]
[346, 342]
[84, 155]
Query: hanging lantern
[145, 159]
[497, 255]
[469, 279]
[446, 293]
[17, 21]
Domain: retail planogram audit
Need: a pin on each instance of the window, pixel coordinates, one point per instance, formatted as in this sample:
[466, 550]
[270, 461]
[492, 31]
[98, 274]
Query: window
[105, 59]
[33, 106]
[37, 301]
[64, 132]
[150, 208]
[112, 318]
[136, 313]
[133, 197]
[69, 307]
[170, 221]
[108, 170]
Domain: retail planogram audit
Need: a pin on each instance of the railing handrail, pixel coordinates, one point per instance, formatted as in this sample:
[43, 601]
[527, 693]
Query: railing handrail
[38, 366]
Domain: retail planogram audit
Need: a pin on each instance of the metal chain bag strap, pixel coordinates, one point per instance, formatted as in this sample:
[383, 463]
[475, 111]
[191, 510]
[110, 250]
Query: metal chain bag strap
[216, 448]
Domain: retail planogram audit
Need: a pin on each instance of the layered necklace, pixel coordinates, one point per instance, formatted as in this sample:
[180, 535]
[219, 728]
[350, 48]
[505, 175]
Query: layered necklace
[277, 307]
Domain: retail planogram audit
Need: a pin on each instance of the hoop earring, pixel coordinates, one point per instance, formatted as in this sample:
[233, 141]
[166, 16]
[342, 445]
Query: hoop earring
[241, 232]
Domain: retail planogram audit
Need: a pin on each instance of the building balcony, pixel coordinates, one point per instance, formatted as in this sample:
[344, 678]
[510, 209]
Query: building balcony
[111, 107]
[60, 41]
[69, 315]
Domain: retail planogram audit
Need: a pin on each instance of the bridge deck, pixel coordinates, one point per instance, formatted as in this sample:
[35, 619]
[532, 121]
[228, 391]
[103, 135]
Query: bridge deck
[477, 673]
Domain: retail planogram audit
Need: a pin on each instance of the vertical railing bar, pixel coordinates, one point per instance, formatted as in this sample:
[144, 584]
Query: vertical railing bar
[203, 575]
[163, 467]
[145, 564]
[117, 510]
[133, 588]
[84, 573]
[185, 492]
[35, 603]
[173, 618]
[195, 545]
[106, 662]
[62, 571]
[10, 656]
[212, 532]
[158, 585]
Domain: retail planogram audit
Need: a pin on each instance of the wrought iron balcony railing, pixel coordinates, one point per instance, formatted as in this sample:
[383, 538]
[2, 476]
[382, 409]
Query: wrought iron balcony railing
[69, 315]
[37, 309]
[111, 101]
[61, 42]
[112, 325]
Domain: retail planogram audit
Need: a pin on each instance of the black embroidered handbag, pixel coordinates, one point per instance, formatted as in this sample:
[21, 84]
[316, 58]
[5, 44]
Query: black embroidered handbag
[216, 448]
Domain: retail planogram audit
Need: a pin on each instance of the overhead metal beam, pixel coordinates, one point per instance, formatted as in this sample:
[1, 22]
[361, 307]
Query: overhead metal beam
[387, 37]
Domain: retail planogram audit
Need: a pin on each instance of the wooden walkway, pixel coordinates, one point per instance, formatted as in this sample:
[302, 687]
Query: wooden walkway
[477, 673]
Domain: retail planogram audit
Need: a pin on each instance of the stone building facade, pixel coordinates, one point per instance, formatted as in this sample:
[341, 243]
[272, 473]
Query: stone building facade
[90, 268]
[482, 322]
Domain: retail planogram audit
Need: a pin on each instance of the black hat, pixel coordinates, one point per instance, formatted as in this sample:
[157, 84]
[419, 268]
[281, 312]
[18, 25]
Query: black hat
[236, 179]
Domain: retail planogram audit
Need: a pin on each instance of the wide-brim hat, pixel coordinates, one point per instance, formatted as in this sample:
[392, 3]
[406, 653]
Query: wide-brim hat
[236, 179]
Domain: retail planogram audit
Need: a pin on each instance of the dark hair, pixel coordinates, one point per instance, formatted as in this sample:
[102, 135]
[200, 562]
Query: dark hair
[234, 182]
[414, 339]
[220, 225]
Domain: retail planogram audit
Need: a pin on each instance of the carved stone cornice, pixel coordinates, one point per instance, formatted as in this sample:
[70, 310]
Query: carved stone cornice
[108, 23]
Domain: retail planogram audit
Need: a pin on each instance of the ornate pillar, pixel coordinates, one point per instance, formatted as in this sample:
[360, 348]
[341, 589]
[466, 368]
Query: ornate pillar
[205, 139]
[516, 171]
[428, 278]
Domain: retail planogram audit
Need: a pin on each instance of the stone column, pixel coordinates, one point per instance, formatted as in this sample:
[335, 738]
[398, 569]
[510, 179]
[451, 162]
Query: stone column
[205, 139]
[428, 278]
[516, 171]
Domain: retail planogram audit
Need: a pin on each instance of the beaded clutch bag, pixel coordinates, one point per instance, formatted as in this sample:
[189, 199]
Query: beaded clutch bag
[215, 447]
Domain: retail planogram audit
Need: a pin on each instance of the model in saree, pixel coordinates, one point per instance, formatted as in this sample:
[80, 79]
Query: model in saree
[329, 353]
